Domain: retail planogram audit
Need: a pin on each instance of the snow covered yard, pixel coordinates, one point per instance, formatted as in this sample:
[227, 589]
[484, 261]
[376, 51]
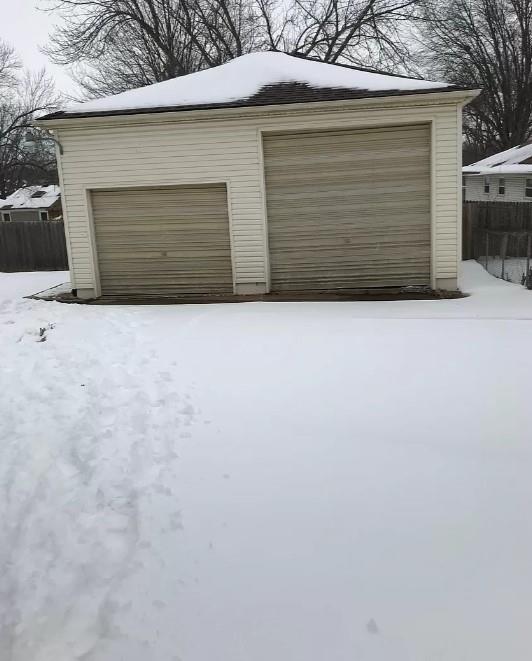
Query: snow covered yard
[266, 481]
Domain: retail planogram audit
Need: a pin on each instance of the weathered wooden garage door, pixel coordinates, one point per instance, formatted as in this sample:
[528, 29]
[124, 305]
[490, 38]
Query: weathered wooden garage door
[163, 241]
[348, 208]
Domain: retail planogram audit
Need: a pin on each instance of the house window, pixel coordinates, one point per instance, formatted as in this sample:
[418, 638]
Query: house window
[486, 185]
[38, 193]
[528, 188]
[44, 215]
[502, 187]
[6, 217]
[464, 187]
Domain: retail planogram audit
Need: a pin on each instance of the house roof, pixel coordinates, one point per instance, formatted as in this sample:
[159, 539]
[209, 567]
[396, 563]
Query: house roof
[31, 197]
[253, 80]
[516, 160]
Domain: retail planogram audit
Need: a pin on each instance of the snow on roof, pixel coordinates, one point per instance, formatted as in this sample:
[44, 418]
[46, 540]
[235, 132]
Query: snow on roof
[510, 161]
[246, 76]
[32, 197]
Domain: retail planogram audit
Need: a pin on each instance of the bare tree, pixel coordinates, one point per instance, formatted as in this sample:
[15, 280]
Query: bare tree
[485, 43]
[9, 66]
[122, 44]
[360, 32]
[130, 43]
[21, 97]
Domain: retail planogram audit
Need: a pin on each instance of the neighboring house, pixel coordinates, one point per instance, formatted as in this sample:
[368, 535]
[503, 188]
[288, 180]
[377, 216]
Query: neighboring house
[32, 203]
[504, 177]
[268, 173]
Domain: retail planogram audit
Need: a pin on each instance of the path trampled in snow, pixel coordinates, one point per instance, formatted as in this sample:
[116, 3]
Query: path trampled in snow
[340, 481]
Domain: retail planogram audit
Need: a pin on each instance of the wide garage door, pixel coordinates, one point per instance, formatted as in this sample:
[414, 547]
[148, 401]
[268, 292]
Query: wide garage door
[348, 208]
[163, 241]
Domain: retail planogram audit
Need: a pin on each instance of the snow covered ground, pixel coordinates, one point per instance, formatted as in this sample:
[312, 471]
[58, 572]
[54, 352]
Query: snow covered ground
[266, 481]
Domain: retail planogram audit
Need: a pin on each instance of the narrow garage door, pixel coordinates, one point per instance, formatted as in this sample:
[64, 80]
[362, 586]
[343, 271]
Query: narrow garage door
[348, 208]
[163, 241]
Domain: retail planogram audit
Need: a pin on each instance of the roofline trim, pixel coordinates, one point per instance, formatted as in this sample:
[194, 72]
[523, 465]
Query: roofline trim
[190, 113]
[486, 172]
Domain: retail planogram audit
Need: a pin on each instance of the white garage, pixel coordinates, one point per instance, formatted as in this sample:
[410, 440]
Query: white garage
[268, 173]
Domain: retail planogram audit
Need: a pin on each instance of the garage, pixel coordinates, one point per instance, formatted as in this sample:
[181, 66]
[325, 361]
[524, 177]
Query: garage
[334, 178]
[163, 241]
[348, 209]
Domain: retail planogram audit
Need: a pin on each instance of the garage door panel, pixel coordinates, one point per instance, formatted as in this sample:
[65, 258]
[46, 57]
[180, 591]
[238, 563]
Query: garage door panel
[332, 263]
[365, 160]
[344, 209]
[348, 208]
[364, 186]
[164, 257]
[163, 241]
[360, 249]
[336, 228]
[392, 195]
[335, 273]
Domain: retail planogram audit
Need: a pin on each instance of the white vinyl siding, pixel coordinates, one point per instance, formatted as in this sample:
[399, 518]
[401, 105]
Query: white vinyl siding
[25, 214]
[183, 148]
[514, 188]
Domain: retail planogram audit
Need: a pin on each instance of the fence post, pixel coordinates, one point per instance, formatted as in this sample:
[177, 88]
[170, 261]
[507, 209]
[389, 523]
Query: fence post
[470, 222]
[504, 247]
[467, 232]
[528, 251]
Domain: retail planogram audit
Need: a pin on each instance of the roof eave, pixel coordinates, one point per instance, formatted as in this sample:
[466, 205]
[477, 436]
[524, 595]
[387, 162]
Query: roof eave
[484, 172]
[426, 97]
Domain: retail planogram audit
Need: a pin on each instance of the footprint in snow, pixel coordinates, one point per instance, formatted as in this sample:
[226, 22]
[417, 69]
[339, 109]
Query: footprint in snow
[40, 335]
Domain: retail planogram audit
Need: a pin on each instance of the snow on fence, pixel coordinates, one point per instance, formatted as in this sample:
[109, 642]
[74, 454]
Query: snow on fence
[33, 246]
[499, 236]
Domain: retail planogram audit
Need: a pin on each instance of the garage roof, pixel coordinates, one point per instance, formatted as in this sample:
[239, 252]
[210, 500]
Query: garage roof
[252, 80]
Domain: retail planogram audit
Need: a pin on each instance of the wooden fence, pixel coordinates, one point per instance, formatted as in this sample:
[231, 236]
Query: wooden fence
[499, 236]
[482, 217]
[33, 246]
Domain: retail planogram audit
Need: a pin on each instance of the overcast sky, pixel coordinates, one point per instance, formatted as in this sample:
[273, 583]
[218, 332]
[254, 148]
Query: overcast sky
[26, 28]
